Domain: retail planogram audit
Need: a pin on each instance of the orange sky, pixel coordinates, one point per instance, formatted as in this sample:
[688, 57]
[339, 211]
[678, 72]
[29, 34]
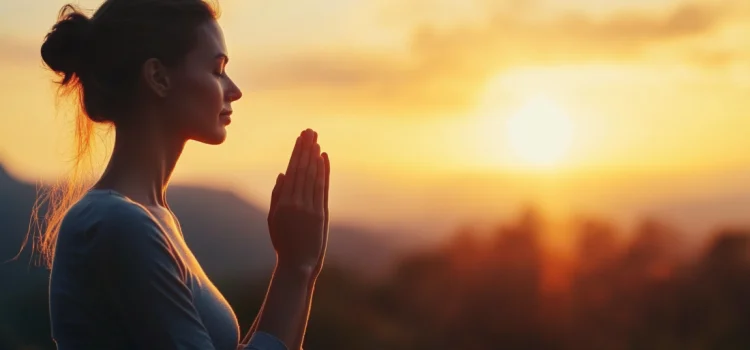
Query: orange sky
[412, 100]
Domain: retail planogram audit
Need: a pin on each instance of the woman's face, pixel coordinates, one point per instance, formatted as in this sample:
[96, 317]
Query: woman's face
[201, 92]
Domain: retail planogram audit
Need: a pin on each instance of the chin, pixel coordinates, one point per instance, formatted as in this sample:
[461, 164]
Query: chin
[216, 137]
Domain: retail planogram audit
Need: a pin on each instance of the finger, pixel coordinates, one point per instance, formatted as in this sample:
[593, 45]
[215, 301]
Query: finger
[288, 186]
[320, 185]
[295, 152]
[312, 175]
[276, 192]
[327, 173]
[327, 165]
[303, 163]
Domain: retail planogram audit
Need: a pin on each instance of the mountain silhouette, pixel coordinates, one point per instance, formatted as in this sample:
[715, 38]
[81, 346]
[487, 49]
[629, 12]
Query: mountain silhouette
[227, 234]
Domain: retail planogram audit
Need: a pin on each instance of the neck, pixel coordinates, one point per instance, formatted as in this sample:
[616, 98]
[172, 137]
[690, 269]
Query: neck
[142, 163]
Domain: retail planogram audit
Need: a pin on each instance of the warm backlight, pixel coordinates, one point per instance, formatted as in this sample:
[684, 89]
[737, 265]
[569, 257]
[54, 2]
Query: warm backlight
[539, 133]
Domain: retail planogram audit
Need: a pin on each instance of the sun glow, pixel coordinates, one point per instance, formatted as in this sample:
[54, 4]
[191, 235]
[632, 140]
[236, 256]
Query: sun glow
[539, 133]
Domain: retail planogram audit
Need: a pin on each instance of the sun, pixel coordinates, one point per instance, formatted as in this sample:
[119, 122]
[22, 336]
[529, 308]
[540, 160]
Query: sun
[539, 133]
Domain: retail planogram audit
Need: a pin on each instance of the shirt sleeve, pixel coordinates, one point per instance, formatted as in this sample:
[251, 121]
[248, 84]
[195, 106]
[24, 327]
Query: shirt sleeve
[264, 341]
[145, 282]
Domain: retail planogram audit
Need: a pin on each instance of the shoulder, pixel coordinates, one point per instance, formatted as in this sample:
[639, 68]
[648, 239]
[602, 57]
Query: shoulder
[108, 209]
[104, 216]
[119, 233]
[120, 213]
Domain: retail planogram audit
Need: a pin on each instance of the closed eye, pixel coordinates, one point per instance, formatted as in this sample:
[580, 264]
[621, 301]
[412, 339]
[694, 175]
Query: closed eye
[221, 60]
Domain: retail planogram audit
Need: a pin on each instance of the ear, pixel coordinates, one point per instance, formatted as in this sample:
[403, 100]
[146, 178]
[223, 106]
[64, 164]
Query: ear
[156, 76]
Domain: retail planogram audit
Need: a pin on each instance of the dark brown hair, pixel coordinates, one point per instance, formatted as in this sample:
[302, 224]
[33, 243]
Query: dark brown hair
[99, 59]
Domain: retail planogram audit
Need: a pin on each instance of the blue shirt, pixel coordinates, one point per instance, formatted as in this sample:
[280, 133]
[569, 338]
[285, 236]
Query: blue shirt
[124, 278]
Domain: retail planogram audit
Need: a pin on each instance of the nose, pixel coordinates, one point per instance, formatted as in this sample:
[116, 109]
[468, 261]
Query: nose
[233, 92]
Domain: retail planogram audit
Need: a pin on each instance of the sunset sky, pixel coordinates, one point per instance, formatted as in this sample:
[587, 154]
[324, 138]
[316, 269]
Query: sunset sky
[424, 106]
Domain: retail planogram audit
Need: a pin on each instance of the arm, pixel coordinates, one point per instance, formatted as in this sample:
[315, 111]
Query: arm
[287, 306]
[285, 279]
[274, 200]
[298, 286]
[287, 274]
[254, 326]
[298, 225]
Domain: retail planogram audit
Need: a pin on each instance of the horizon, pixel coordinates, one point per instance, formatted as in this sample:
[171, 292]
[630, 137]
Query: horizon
[697, 214]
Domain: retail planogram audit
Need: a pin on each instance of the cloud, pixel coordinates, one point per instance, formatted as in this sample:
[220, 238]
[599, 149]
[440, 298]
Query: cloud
[444, 67]
[641, 28]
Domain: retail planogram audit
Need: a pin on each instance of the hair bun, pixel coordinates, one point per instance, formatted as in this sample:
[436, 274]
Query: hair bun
[63, 47]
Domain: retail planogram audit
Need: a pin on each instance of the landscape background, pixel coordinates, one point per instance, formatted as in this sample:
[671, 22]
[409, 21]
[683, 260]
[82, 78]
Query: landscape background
[509, 174]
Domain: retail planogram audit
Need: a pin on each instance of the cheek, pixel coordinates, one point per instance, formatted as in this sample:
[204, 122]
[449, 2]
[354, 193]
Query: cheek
[200, 97]
[206, 91]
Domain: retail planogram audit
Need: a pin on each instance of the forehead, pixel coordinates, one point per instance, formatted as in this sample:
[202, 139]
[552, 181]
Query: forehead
[209, 40]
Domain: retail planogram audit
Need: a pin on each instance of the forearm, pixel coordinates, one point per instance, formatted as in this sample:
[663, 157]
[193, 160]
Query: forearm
[286, 309]
[254, 326]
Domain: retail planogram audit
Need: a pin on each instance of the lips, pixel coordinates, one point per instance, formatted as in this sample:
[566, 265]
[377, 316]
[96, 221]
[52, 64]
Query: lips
[226, 117]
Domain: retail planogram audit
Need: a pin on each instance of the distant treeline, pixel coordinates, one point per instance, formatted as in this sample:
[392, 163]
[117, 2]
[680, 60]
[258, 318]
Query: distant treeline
[503, 290]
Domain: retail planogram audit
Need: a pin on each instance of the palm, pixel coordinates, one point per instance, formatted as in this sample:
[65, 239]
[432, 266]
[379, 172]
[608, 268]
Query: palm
[291, 218]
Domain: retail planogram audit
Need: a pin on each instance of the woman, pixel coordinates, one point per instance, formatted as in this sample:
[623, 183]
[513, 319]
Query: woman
[122, 276]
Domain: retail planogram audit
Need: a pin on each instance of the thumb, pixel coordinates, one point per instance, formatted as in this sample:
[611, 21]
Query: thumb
[276, 192]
